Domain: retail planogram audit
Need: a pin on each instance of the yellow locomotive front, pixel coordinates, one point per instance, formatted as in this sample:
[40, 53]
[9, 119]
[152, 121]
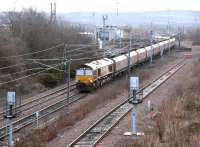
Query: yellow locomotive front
[85, 78]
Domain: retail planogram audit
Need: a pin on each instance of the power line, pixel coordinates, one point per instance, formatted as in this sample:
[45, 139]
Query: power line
[101, 50]
[48, 66]
[117, 3]
[6, 67]
[48, 59]
[76, 49]
[6, 75]
[78, 59]
[86, 45]
[17, 79]
[53, 12]
[30, 69]
[77, 54]
[59, 45]
[32, 53]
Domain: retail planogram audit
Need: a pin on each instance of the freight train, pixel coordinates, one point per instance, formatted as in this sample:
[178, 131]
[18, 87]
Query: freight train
[94, 74]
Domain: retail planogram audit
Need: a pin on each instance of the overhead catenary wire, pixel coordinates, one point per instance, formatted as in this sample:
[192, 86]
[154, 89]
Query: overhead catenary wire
[60, 58]
[73, 59]
[53, 47]
[56, 46]
[15, 65]
[46, 65]
[86, 45]
[23, 77]
[30, 75]
[32, 53]
[48, 59]
[55, 59]
[76, 54]
[87, 58]
[99, 51]
[77, 49]
[31, 69]
[88, 53]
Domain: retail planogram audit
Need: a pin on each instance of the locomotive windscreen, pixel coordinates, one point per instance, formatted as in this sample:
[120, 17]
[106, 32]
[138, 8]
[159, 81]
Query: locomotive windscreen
[84, 72]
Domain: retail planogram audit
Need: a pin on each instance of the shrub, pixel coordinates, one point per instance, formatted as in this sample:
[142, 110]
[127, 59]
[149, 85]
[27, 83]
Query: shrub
[48, 80]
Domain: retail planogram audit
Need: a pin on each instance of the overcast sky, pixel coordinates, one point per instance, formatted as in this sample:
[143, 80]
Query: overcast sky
[102, 5]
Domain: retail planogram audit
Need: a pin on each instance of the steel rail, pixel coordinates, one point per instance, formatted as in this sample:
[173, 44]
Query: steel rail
[101, 127]
[41, 97]
[27, 120]
[41, 100]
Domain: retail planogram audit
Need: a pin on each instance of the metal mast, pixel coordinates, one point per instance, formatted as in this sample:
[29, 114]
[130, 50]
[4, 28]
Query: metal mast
[105, 17]
[120, 39]
[117, 3]
[168, 32]
[129, 67]
[53, 12]
[151, 43]
[68, 76]
[179, 38]
[67, 68]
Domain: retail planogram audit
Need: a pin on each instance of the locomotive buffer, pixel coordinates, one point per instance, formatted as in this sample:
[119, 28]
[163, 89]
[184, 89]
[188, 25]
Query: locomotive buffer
[137, 94]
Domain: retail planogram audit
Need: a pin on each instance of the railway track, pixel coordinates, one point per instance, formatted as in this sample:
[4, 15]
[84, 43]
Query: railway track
[41, 100]
[101, 127]
[30, 119]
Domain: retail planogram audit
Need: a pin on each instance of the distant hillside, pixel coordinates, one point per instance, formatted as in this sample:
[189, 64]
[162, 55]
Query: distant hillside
[187, 18]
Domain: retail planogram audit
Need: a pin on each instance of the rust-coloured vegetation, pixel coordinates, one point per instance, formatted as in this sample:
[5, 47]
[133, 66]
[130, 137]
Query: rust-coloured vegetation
[178, 122]
[69, 119]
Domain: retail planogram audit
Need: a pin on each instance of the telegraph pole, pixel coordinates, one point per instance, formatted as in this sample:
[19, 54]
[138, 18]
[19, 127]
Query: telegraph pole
[117, 3]
[105, 17]
[168, 34]
[65, 63]
[169, 44]
[120, 39]
[151, 42]
[179, 38]
[129, 67]
[69, 75]
[67, 66]
[53, 12]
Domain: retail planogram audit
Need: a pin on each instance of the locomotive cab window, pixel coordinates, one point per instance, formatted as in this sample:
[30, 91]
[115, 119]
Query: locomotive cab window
[79, 72]
[88, 72]
[84, 72]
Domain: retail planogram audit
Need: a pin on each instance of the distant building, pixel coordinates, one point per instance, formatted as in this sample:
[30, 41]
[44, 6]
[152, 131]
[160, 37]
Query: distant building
[109, 33]
[125, 32]
[88, 34]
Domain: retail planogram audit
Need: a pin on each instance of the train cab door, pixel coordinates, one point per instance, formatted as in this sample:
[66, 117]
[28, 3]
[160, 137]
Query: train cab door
[110, 68]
